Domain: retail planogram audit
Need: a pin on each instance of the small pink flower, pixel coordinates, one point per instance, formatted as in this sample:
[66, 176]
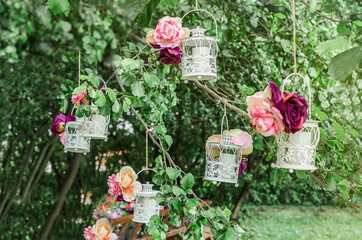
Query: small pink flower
[62, 138]
[242, 139]
[114, 188]
[79, 98]
[168, 33]
[88, 235]
[266, 119]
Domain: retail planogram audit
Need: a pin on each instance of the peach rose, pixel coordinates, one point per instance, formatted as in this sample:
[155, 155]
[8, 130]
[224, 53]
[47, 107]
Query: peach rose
[258, 97]
[266, 119]
[126, 179]
[102, 230]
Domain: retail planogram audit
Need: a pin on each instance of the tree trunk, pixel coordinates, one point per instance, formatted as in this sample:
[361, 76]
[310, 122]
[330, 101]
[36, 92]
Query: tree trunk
[49, 222]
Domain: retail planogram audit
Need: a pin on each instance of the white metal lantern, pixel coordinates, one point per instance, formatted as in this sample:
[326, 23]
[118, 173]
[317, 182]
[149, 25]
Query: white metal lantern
[297, 151]
[145, 204]
[199, 54]
[96, 126]
[223, 159]
[75, 141]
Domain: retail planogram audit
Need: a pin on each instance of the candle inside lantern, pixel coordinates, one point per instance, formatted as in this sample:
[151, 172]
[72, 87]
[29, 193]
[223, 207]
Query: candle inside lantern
[149, 206]
[302, 139]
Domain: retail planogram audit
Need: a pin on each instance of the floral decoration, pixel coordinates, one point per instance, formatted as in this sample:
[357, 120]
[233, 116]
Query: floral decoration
[124, 184]
[101, 230]
[272, 111]
[167, 39]
[58, 125]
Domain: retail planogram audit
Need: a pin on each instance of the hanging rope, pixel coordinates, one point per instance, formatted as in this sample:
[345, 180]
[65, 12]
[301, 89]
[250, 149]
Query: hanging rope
[294, 45]
[79, 67]
[196, 5]
[147, 130]
[225, 107]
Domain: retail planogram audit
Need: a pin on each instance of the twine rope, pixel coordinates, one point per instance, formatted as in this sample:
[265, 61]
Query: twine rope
[196, 5]
[294, 45]
[147, 131]
[79, 67]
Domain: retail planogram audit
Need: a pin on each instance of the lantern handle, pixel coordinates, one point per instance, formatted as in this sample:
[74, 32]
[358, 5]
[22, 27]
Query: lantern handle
[309, 91]
[222, 123]
[147, 169]
[203, 10]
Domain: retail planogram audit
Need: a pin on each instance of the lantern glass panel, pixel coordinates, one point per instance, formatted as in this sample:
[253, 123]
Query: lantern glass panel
[74, 138]
[96, 126]
[145, 204]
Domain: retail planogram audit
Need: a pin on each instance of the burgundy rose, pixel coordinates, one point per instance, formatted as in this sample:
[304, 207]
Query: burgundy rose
[292, 107]
[242, 168]
[170, 56]
[58, 124]
[70, 118]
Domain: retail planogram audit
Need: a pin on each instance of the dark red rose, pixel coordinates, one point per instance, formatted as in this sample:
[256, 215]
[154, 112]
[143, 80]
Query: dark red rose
[170, 56]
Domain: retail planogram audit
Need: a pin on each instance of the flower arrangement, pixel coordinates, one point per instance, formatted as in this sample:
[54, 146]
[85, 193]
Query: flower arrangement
[112, 208]
[101, 230]
[58, 125]
[240, 138]
[123, 185]
[272, 111]
[167, 39]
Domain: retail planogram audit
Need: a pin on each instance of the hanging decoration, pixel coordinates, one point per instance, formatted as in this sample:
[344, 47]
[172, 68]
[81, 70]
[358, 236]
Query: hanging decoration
[58, 125]
[96, 125]
[74, 139]
[297, 150]
[199, 53]
[101, 230]
[167, 39]
[224, 152]
[145, 204]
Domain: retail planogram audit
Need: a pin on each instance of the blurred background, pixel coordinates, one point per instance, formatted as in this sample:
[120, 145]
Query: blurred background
[39, 44]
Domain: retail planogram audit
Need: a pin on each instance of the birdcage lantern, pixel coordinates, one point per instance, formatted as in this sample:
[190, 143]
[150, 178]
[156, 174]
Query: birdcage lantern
[145, 205]
[199, 53]
[96, 125]
[297, 151]
[75, 141]
[223, 159]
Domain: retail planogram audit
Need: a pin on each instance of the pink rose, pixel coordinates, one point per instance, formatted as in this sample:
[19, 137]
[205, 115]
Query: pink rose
[79, 98]
[258, 97]
[114, 188]
[88, 235]
[266, 119]
[244, 140]
[168, 32]
[62, 138]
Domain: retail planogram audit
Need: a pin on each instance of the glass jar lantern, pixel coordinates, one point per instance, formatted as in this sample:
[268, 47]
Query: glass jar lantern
[75, 141]
[145, 204]
[199, 54]
[223, 159]
[96, 125]
[297, 151]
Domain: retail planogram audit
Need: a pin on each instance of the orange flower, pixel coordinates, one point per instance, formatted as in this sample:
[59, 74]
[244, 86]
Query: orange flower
[102, 230]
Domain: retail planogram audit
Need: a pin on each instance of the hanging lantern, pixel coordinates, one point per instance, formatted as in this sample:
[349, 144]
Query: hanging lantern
[297, 151]
[75, 141]
[96, 126]
[223, 159]
[145, 204]
[199, 54]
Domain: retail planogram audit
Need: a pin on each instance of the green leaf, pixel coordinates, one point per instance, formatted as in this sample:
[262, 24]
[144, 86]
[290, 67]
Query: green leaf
[63, 106]
[145, 16]
[161, 129]
[192, 202]
[94, 80]
[111, 94]
[100, 99]
[320, 114]
[83, 77]
[270, 155]
[91, 92]
[138, 89]
[79, 89]
[59, 6]
[169, 4]
[357, 23]
[169, 140]
[274, 175]
[301, 173]
[158, 179]
[172, 173]
[116, 107]
[313, 6]
[231, 234]
[330, 46]
[280, 15]
[126, 106]
[188, 181]
[151, 79]
[130, 64]
[166, 189]
[331, 184]
[344, 63]
[341, 28]
[176, 204]
[207, 214]
[344, 188]
[340, 133]
[177, 191]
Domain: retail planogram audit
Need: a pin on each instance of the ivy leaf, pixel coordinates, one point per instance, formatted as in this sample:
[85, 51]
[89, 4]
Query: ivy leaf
[111, 94]
[100, 99]
[188, 181]
[172, 173]
[79, 89]
[59, 6]
[158, 179]
[176, 204]
[169, 140]
[192, 202]
[177, 191]
[340, 133]
[166, 189]
[138, 89]
[343, 64]
[116, 107]
[151, 79]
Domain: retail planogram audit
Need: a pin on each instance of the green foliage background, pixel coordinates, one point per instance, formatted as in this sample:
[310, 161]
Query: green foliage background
[39, 42]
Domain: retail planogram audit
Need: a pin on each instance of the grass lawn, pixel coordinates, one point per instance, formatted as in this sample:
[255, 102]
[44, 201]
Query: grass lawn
[289, 222]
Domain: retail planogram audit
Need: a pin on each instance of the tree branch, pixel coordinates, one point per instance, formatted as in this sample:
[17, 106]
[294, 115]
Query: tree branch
[322, 15]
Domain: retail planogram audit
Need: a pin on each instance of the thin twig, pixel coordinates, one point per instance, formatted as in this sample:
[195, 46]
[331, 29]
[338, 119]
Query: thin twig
[322, 15]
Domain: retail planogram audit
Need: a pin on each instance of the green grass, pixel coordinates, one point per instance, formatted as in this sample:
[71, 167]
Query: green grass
[298, 223]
